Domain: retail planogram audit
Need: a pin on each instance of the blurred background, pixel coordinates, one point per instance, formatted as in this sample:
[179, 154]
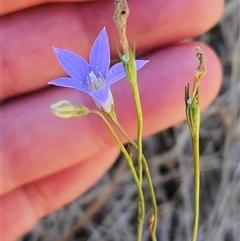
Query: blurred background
[107, 212]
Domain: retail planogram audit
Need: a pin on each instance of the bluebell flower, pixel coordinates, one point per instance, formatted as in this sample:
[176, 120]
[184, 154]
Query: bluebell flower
[95, 77]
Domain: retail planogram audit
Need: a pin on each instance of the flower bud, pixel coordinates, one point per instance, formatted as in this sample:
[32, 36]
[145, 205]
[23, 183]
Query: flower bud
[66, 109]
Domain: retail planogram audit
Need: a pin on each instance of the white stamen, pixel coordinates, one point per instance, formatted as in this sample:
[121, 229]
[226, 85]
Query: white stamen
[95, 83]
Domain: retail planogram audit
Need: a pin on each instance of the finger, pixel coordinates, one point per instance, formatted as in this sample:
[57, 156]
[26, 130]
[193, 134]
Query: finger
[36, 143]
[13, 6]
[28, 36]
[23, 207]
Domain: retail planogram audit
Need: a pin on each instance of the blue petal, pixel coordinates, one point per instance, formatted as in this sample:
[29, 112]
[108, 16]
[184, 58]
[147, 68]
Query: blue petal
[77, 67]
[115, 73]
[100, 95]
[141, 63]
[100, 54]
[107, 106]
[69, 82]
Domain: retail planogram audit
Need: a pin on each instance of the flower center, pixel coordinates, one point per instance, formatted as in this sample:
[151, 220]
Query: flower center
[95, 83]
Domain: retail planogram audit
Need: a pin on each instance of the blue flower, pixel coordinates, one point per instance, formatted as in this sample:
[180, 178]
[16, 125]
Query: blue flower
[95, 77]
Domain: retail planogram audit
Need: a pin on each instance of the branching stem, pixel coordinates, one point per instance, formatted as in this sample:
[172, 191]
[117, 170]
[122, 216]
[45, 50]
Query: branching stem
[141, 204]
[153, 225]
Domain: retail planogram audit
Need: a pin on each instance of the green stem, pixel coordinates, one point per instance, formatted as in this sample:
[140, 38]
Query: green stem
[138, 107]
[195, 147]
[137, 101]
[149, 180]
[131, 72]
[193, 118]
[192, 105]
[141, 204]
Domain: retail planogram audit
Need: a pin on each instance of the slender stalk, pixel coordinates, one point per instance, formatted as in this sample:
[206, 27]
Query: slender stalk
[131, 72]
[193, 118]
[138, 107]
[141, 204]
[195, 147]
[149, 180]
[136, 97]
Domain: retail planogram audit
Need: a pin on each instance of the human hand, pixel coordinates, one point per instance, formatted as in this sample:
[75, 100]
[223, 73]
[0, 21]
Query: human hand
[48, 161]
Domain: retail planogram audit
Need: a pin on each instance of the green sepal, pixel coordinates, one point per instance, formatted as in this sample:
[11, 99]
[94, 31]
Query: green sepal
[129, 64]
[192, 111]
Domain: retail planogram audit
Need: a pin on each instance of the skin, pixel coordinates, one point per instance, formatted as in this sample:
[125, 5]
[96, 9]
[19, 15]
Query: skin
[48, 161]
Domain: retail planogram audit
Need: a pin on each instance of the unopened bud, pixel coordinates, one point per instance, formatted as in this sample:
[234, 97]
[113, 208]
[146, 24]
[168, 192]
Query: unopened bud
[66, 109]
[192, 102]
